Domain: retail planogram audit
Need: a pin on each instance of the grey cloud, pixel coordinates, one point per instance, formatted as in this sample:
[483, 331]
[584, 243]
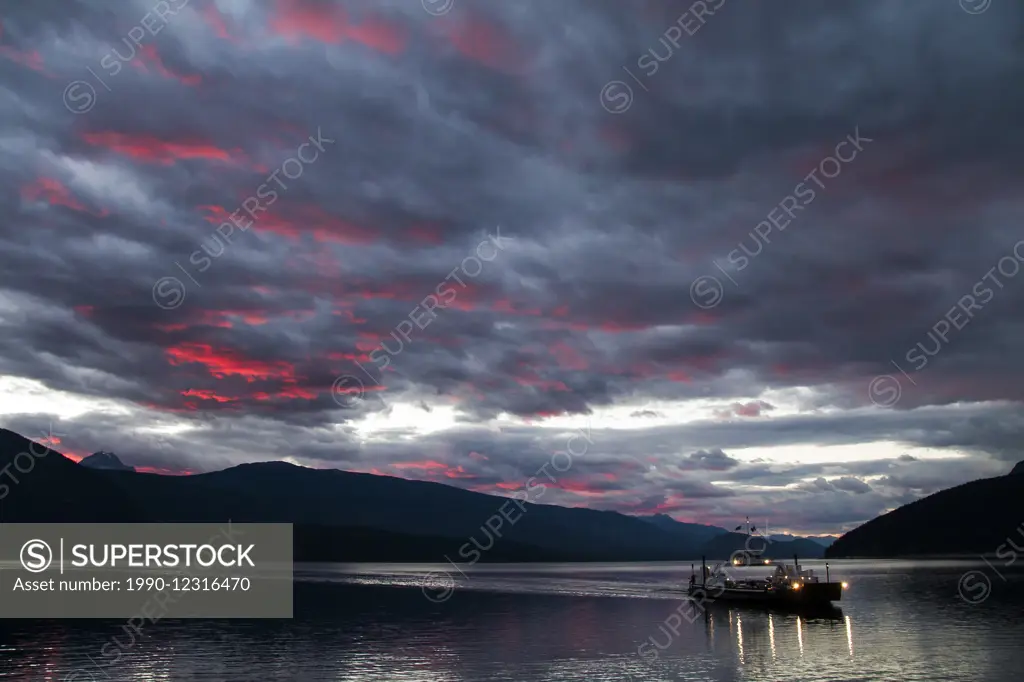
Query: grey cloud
[710, 460]
[441, 139]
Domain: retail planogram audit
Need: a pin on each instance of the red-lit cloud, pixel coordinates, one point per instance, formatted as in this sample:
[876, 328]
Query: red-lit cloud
[216, 22]
[295, 20]
[297, 222]
[149, 59]
[754, 408]
[53, 192]
[165, 472]
[32, 60]
[433, 469]
[207, 395]
[483, 42]
[223, 362]
[150, 149]
[567, 357]
[29, 59]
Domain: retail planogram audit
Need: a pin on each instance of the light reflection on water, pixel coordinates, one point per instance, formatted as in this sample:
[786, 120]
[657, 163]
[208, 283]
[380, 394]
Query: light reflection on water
[899, 621]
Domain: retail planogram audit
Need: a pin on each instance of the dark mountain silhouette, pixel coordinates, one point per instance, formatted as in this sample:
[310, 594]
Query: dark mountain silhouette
[722, 547]
[276, 491]
[823, 540]
[693, 534]
[973, 518]
[362, 508]
[40, 485]
[338, 515]
[1019, 469]
[105, 460]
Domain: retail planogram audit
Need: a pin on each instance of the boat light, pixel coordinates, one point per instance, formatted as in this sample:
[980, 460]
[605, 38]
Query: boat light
[846, 585]
[767, 561]
[796, 586]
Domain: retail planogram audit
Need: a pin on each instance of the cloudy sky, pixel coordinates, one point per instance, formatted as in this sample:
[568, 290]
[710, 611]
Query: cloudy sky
[737, 258]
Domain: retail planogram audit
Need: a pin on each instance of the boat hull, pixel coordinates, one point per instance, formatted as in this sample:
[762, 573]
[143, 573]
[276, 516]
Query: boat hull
[809, 595]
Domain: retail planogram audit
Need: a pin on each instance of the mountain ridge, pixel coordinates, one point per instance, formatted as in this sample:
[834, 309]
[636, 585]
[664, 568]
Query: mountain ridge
[458, 520]
[279, 491]
[725, 546]
[105, 460]
[972, 518]
[696, 533]
[823, 540]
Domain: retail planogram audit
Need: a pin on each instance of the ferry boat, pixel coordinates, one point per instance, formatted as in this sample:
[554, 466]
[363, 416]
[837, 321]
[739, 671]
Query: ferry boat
[749, 559]
[786, 585]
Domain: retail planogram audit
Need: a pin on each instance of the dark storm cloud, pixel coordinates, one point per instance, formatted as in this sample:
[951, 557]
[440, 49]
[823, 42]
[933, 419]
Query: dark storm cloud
[852, 485]
[846, 483]
[443, 128]
[713, 460]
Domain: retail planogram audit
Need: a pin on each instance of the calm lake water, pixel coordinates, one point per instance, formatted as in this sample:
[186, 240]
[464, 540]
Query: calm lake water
[899, 620]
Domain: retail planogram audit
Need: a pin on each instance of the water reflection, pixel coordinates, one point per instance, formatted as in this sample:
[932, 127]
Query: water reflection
[385, 634]
[739, 637]
[849, 635]
[800, 636]
[371, 634]
[761, 636]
